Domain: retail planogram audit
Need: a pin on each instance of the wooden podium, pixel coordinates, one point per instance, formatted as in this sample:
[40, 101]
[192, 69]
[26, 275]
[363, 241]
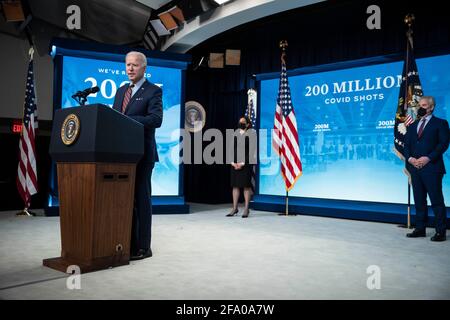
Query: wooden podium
[96, 150]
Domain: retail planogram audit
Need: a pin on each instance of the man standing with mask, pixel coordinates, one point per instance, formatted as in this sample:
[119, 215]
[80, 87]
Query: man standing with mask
[141, 101]
[425, 143]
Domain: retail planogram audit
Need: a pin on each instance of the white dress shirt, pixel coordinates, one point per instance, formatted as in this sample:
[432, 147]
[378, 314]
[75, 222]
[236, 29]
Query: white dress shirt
[137, 86]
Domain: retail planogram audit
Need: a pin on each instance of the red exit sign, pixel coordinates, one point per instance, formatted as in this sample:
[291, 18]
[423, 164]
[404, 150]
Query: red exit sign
[16, 126]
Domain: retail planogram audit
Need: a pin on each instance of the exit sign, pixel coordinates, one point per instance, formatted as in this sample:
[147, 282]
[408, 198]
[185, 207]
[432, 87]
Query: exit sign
[16, 126]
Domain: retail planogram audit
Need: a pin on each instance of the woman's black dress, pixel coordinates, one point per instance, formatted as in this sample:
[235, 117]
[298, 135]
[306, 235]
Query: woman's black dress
[241, 178]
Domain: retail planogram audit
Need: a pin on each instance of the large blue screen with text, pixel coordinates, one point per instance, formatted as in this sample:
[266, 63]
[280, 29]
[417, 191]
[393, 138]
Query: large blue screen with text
[81, 73]
[345, 121]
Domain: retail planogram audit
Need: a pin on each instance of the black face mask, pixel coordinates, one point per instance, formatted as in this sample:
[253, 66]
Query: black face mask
[421, 112]
[242, 126]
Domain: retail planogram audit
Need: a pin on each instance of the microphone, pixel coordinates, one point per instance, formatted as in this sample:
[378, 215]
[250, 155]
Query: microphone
[89, 91]
[81, 96]
[86, 92]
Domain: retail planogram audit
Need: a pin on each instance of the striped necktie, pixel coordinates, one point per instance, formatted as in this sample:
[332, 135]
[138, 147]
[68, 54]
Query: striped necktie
[422, 126]
[126, 98]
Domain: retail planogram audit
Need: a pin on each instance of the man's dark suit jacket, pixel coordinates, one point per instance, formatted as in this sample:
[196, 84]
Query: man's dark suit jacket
[432, 144]
[145, 107]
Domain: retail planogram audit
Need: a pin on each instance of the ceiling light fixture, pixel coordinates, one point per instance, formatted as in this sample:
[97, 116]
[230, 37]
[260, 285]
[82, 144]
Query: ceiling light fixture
[220, 2]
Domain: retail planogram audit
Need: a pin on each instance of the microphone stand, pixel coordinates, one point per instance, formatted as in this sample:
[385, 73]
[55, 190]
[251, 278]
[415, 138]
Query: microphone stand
[80, 98]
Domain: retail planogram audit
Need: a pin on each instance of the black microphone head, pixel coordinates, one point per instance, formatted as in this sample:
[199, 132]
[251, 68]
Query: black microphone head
[91, 90]
[77, 94]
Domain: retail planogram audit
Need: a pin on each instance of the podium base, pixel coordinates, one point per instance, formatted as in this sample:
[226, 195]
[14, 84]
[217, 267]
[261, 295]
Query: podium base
[62, 264]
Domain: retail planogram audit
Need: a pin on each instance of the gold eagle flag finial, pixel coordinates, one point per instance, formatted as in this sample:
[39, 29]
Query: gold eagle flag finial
[409, 19]
[283, 46]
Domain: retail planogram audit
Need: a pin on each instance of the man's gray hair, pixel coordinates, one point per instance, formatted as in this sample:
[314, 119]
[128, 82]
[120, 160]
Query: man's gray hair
[142, 56]
[430, 100]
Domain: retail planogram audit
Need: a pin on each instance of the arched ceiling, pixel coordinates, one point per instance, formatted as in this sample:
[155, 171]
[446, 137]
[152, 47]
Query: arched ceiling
[224, 18]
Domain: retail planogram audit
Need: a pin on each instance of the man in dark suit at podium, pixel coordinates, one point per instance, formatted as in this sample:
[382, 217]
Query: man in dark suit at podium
[425, 143]
[141, 101]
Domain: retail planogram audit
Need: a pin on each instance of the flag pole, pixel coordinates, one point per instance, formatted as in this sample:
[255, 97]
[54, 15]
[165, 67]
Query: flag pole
[283, 46]
[409, 19]
[409, 206]
[287, 203]
[286, 211]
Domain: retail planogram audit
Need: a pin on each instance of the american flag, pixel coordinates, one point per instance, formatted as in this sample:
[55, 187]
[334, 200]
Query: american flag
[251, 114]
[409, 96]
[285, 138]
[26, 173]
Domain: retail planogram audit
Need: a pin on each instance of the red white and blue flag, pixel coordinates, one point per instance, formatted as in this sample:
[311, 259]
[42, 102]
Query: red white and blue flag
[27, 174]
[251, 114]
[285, 138]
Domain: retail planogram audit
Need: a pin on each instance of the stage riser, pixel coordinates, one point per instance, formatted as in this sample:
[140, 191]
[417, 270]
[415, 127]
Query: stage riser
[388, 217]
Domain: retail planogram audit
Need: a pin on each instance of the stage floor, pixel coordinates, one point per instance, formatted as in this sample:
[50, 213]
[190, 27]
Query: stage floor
[205, 255]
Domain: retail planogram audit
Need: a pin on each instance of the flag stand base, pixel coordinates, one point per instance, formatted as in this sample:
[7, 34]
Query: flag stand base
[287, 215]
[26, 213]
[405, 226]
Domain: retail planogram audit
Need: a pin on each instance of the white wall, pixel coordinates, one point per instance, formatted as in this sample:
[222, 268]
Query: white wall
[13, 68]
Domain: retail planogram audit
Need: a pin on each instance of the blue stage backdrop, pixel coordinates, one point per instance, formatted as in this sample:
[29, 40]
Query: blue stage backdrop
[80, 73]
[346, 119]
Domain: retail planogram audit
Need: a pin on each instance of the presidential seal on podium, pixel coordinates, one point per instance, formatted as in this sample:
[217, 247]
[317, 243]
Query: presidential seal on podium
[70, 129]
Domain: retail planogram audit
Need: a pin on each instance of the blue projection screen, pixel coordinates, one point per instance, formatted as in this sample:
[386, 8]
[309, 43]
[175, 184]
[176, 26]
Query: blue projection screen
[345, 120]
[80, 73]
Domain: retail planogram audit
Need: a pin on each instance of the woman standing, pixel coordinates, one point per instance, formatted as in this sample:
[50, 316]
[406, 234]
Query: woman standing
[241, 170]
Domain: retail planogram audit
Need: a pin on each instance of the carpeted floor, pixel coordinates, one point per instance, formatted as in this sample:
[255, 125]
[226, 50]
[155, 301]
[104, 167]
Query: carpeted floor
[205, 255]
